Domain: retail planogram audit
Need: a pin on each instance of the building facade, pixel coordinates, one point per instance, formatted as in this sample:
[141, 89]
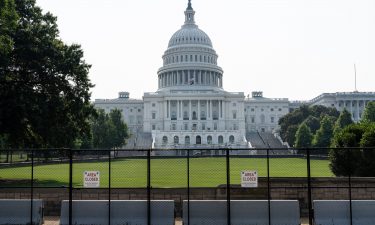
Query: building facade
[191, 109]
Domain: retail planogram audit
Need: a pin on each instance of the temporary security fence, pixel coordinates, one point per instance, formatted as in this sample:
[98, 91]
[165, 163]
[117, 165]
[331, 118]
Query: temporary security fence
[205, 186]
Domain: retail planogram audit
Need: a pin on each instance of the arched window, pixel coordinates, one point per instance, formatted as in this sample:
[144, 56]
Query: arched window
[220, 139]
[198, 140]
[195, 115]
[176, 140]
[165, 140]
[231, 139]
[209, 139]
[187, 140]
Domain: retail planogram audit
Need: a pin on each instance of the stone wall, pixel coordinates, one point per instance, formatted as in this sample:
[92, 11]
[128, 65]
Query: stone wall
[280, 188]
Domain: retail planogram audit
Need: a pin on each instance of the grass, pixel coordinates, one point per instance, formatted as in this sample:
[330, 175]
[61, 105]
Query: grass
[130, 173]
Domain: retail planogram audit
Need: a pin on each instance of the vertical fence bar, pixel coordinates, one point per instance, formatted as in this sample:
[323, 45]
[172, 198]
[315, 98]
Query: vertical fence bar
[109, 187]
[228, 187]
[149, 187]
[309, 192]
[188, 187]
[268, 187]
[32, 187]
[350, 188]
[70, 186]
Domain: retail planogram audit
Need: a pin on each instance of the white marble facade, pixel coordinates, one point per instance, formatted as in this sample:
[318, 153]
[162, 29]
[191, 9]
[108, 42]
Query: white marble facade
[191, 108]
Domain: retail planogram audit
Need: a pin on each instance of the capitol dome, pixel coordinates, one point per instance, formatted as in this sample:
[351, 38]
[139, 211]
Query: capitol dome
[190, 34]
[190, 59]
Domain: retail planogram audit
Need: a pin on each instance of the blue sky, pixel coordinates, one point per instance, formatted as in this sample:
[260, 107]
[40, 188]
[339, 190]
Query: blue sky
[295, 49]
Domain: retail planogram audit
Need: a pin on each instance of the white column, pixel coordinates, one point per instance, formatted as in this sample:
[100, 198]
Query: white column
[207, 113]
[351, 109]
[358, 111]
[190, 118]
[211, 109]
[165, 110]
[199, 110]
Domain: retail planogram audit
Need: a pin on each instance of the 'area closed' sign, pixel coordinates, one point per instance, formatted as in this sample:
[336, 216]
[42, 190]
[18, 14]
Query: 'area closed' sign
[249, 179]
[91, 179]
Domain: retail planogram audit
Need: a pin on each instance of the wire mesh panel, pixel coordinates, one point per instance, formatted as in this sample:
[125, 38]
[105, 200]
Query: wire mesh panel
[208, 188]
[329, 196]
[16, 199]
[129, 181]
[288, 185]
[90, 179]
[169, 178]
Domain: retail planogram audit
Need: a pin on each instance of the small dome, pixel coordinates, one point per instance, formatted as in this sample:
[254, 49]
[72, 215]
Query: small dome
[190, 34]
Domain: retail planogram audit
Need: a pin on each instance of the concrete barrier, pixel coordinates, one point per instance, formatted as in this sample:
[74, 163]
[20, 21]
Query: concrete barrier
[243, 212]
[328, 212]
[130, 212]
[18, 211]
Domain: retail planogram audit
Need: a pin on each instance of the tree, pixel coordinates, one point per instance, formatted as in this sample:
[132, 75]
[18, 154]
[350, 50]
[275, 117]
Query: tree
[109, 130]
[368, 155]
[343, 160]
[120, 132]
[323, 136]
[344, 120]
[313, 123]
[8, 23]
[303, 137]
[369, 113]
[311, 115]
[44, 84]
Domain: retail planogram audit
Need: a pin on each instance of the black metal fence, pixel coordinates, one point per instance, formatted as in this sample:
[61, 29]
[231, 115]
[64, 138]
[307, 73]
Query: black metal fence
[183, 174]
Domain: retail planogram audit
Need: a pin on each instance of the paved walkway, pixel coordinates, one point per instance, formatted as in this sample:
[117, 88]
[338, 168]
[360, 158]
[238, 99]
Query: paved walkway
[48, 220]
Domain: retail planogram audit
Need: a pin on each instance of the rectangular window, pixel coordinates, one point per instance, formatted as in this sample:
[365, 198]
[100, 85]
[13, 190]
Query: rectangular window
[252, 119]
[153, 127]
[185, 126]
[215, 126]
[272, 119]
[234, 115]
[153, 115]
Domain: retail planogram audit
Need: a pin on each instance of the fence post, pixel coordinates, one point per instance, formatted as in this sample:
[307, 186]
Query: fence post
[309, 193]
[70, 186]
[228, 187]
[268, 187]
[149, 187]
[109, 187]
[188, 187]
[350, 188]
[32, 187]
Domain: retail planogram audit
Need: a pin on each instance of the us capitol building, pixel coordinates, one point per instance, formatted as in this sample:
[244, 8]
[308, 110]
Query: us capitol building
[191, 109]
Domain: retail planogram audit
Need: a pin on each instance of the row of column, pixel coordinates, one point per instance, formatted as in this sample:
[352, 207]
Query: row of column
[180, 112]
[190, 77]
[357, 115]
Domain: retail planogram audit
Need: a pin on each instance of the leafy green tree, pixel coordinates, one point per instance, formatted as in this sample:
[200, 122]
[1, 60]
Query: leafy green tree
[344, 120]
[303, 137]
[356, 162]
[369, 113]
[8, 24]
[109, 130]
[313, 123]
[290, 122]
[120, 132]
[323, 136]
[367, 142]
[44, 84]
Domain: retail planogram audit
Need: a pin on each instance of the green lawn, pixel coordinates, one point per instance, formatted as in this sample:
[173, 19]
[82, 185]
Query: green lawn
[204, 172]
